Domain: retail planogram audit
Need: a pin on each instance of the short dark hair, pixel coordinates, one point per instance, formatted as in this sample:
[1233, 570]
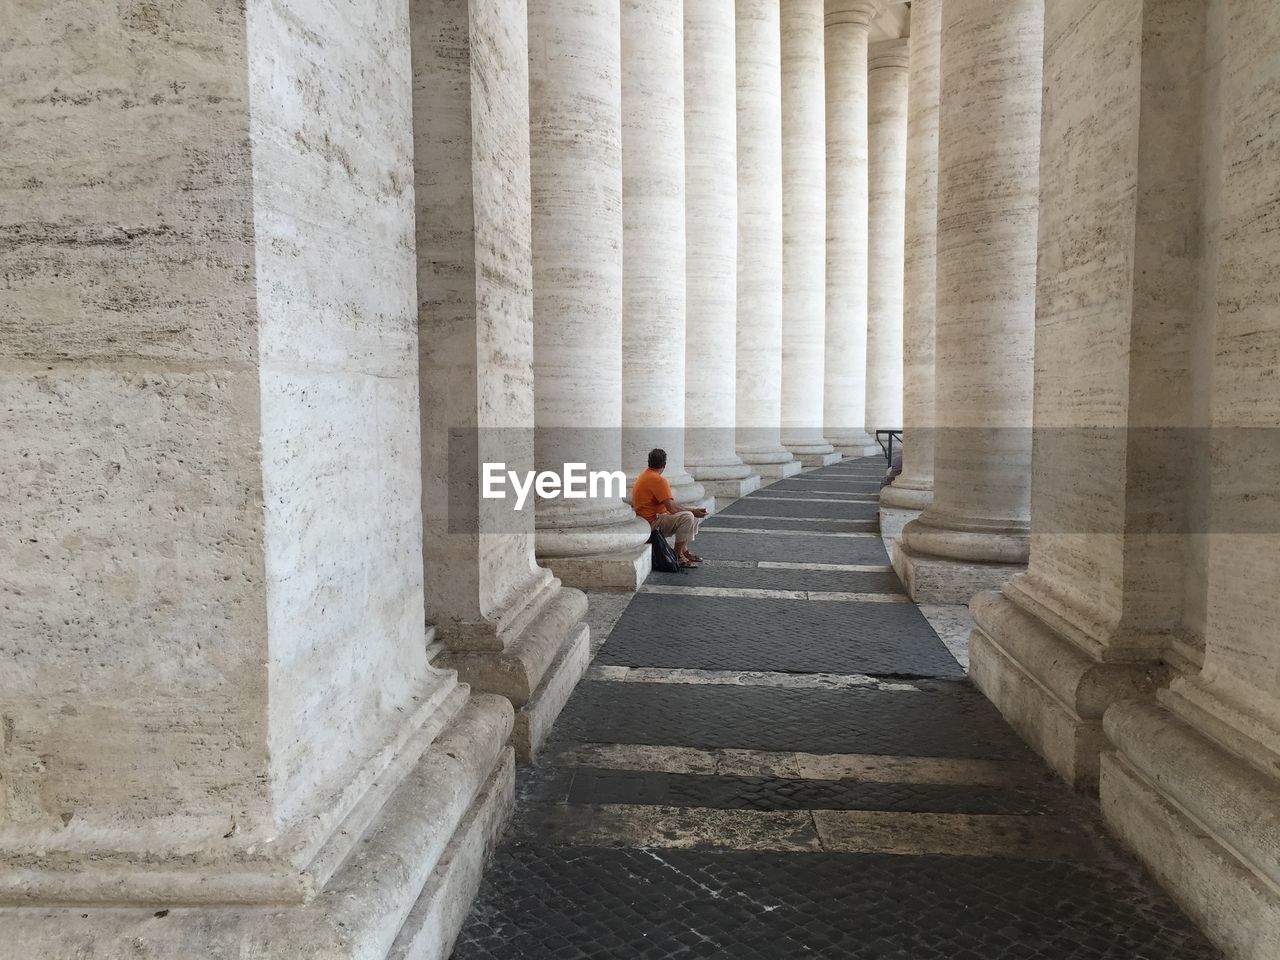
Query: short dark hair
[657, 458]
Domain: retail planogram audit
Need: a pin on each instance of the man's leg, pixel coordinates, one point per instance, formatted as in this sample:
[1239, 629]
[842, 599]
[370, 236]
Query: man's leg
[684, 524]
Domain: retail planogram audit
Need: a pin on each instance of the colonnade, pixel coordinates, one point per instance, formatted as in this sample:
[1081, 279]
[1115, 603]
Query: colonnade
[268, 635]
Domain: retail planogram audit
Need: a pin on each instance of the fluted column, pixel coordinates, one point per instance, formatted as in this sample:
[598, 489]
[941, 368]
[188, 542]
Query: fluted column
[576, 175]
[847, 25]
[886, 226]
[804, 231]
[988, 156]
[711, 251]
[759, 347]
[653, 241]
[913, 488]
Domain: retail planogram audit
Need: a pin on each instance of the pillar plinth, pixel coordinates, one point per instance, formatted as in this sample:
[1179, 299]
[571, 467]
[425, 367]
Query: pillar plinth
[653, 245]
[976, 533]
[759, 310]
[804, 231]
[887, 79]
[711, 251]
[913, 488]
[847, 27]
[575, 111]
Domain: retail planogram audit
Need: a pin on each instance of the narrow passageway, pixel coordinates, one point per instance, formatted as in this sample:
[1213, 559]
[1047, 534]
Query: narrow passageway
[775, 756]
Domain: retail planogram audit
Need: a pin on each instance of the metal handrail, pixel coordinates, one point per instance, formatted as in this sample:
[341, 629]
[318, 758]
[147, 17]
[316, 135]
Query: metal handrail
[887, 444]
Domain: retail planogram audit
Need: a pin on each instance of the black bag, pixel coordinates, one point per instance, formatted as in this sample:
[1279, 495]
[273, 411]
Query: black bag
[664, 558]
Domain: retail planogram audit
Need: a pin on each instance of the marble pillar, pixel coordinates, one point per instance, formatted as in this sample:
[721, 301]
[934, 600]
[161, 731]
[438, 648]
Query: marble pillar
[846, 29]
[886, 229]
[653, 242]
[1191, 782]
[759, 346]
[804, 231]
[912, 490]
[1099, 611]
[711, 252]
[575, 117]
[217, 693]
[504, 623]
[975, 534]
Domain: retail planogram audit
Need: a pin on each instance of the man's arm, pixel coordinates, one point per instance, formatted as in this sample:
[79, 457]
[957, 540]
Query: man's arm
[672, 507]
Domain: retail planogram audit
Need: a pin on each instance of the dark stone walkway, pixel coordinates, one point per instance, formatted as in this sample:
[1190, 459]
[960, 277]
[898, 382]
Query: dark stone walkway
[774, 756]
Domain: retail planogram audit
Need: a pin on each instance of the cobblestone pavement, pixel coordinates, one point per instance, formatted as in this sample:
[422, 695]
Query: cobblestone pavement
[774, 756]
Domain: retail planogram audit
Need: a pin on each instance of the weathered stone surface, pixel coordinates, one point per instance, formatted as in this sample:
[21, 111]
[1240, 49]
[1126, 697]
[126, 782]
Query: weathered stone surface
[886, 230]
[759, 341]
[913, 488]
[804, 231]
[847, 25]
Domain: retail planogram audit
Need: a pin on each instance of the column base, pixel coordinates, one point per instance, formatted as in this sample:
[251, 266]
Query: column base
[905, 496]
[727, 491]
[777, 471]
[1203, 820]
[893, 520]
[1048, 689]
[811, 460]
[856, 451]
[536, 670]
[931, 579]
[405, 894]
[623, 571]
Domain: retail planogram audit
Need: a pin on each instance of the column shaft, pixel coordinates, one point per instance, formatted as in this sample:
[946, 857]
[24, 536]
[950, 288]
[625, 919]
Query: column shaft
[886, 227]
[653, 245]
[804, 231]
[913, 489]
[847, 25]
[502, 622]
[711, 250]
[759, 347]
[989, 136]
[576, 175]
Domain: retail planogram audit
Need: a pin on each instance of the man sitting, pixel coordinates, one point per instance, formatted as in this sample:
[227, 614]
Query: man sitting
[652, 500]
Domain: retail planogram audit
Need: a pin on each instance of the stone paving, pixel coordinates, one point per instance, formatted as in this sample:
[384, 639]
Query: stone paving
[755, 770]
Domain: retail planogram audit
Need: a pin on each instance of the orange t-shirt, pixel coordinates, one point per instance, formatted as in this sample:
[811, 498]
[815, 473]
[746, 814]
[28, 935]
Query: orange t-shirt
[650, 491]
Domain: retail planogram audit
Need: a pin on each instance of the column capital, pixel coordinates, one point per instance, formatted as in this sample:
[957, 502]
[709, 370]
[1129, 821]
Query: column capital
[888, 53]
[858, 13]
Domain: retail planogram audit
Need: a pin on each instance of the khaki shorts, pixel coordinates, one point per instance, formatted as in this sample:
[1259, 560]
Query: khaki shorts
[683, 525]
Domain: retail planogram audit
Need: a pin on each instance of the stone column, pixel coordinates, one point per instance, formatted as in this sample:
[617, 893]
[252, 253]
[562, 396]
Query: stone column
[886, 230]
[975, 534]
[504, 623]
[913, 488]
[711, 251]
[653, 244]
[217, 694]
[804, 232]
[759, 348]
[575, 118]
[847, 26]
[1192, 782]
[1101, 604]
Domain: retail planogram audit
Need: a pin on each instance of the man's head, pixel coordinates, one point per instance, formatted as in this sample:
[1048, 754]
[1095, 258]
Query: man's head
[657, 459]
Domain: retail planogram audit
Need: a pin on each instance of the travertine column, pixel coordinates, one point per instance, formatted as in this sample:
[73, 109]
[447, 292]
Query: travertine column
[886, 229]
[504, 623]
[216, 689]
[804, 232]
[575, 138]
[848, 23]
[711, 251]
[913, 488]
[1192, 782]
[759, 347]
[975, 534]
[1102, 601]
[653, 281]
